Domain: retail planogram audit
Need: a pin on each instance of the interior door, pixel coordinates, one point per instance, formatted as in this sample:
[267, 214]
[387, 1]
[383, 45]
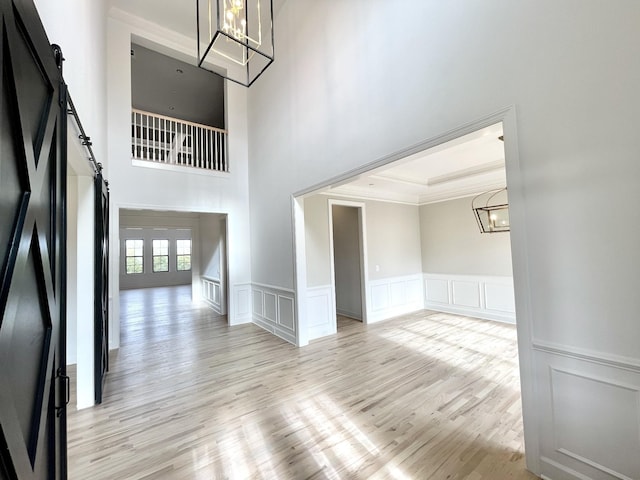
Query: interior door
[101, 296]
[32, 249]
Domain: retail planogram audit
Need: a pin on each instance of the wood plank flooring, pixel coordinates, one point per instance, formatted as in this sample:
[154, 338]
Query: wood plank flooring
[423, 396]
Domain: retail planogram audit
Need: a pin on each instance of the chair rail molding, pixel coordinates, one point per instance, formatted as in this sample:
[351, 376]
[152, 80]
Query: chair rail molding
[592, 356]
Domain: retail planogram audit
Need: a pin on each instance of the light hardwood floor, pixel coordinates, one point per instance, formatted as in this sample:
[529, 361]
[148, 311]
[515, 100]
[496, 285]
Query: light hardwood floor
[424, 396]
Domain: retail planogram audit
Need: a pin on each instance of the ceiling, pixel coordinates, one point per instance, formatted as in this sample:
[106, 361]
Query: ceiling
[466, 166]
[179, 16]
[164, 85]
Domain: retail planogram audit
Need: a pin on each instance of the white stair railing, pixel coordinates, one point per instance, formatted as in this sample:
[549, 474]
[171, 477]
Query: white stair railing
[165, 140]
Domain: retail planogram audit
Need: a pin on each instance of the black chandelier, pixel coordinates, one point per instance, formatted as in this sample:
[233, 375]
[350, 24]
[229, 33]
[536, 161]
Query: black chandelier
[235, 38]
[492, 211]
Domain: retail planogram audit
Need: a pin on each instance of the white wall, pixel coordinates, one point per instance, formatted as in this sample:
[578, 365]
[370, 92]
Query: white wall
[137, 187]
[333, 102]
[346, 260]
[317, 242]
[80, 30]
[148, 225]
[85, 268]
[148, 278]
[452, 242]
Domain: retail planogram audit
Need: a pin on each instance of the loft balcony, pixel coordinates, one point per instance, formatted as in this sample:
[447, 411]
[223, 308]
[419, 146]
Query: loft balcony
[177, 115]
[167, 141]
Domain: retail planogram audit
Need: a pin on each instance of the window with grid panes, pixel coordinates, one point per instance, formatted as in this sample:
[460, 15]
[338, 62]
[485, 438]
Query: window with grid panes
[160, 255]
[183, 255]
[134, 256]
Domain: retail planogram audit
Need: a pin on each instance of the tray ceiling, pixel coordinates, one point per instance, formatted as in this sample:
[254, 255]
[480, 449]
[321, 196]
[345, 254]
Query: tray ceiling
[462, 167]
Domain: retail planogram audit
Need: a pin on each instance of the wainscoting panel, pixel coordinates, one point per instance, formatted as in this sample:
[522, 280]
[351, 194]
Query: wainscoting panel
[258, 302]
[466, 294]
[379, 296]
[476, 296]
[437, 291]
[391, 297]
[584, 437]
[397, 293]
[499, 297]
[211, 293]
[274, 310]
[320, 320]
[286, 317]
[270, 307]
[242, 295]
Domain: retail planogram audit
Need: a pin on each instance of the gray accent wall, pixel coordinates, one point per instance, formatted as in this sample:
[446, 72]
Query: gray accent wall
[452, 242]
[164, 85]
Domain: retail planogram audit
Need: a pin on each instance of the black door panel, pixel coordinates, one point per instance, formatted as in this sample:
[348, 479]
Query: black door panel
[32, 249]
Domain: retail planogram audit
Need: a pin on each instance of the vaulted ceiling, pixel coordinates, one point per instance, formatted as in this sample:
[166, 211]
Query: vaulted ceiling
[463, 167]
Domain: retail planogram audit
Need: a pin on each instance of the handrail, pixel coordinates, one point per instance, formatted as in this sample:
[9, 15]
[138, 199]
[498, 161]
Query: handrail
[165, 140]
[184, 122]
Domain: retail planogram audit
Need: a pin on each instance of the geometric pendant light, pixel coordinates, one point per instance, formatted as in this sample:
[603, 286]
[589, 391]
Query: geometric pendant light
[491, 210]
[235, 38]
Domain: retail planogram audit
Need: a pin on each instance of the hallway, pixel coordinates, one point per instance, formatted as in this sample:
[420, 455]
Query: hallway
[424, 396]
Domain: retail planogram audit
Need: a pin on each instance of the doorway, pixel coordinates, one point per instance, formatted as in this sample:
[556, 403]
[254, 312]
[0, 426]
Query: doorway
[348, 259]
[197, 256]
[358, 183]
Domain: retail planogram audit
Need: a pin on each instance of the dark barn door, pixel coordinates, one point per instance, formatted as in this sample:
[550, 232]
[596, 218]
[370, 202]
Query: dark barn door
[101, 295]
[32, 249]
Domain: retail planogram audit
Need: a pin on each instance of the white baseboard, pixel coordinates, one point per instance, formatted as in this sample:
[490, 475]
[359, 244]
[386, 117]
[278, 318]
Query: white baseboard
[468, 312]
[346, 313]
[278, 332]
[556, 471]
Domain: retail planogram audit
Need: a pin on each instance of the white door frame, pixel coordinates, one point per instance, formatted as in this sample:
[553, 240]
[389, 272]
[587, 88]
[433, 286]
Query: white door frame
[114, 263]
[362, 227]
